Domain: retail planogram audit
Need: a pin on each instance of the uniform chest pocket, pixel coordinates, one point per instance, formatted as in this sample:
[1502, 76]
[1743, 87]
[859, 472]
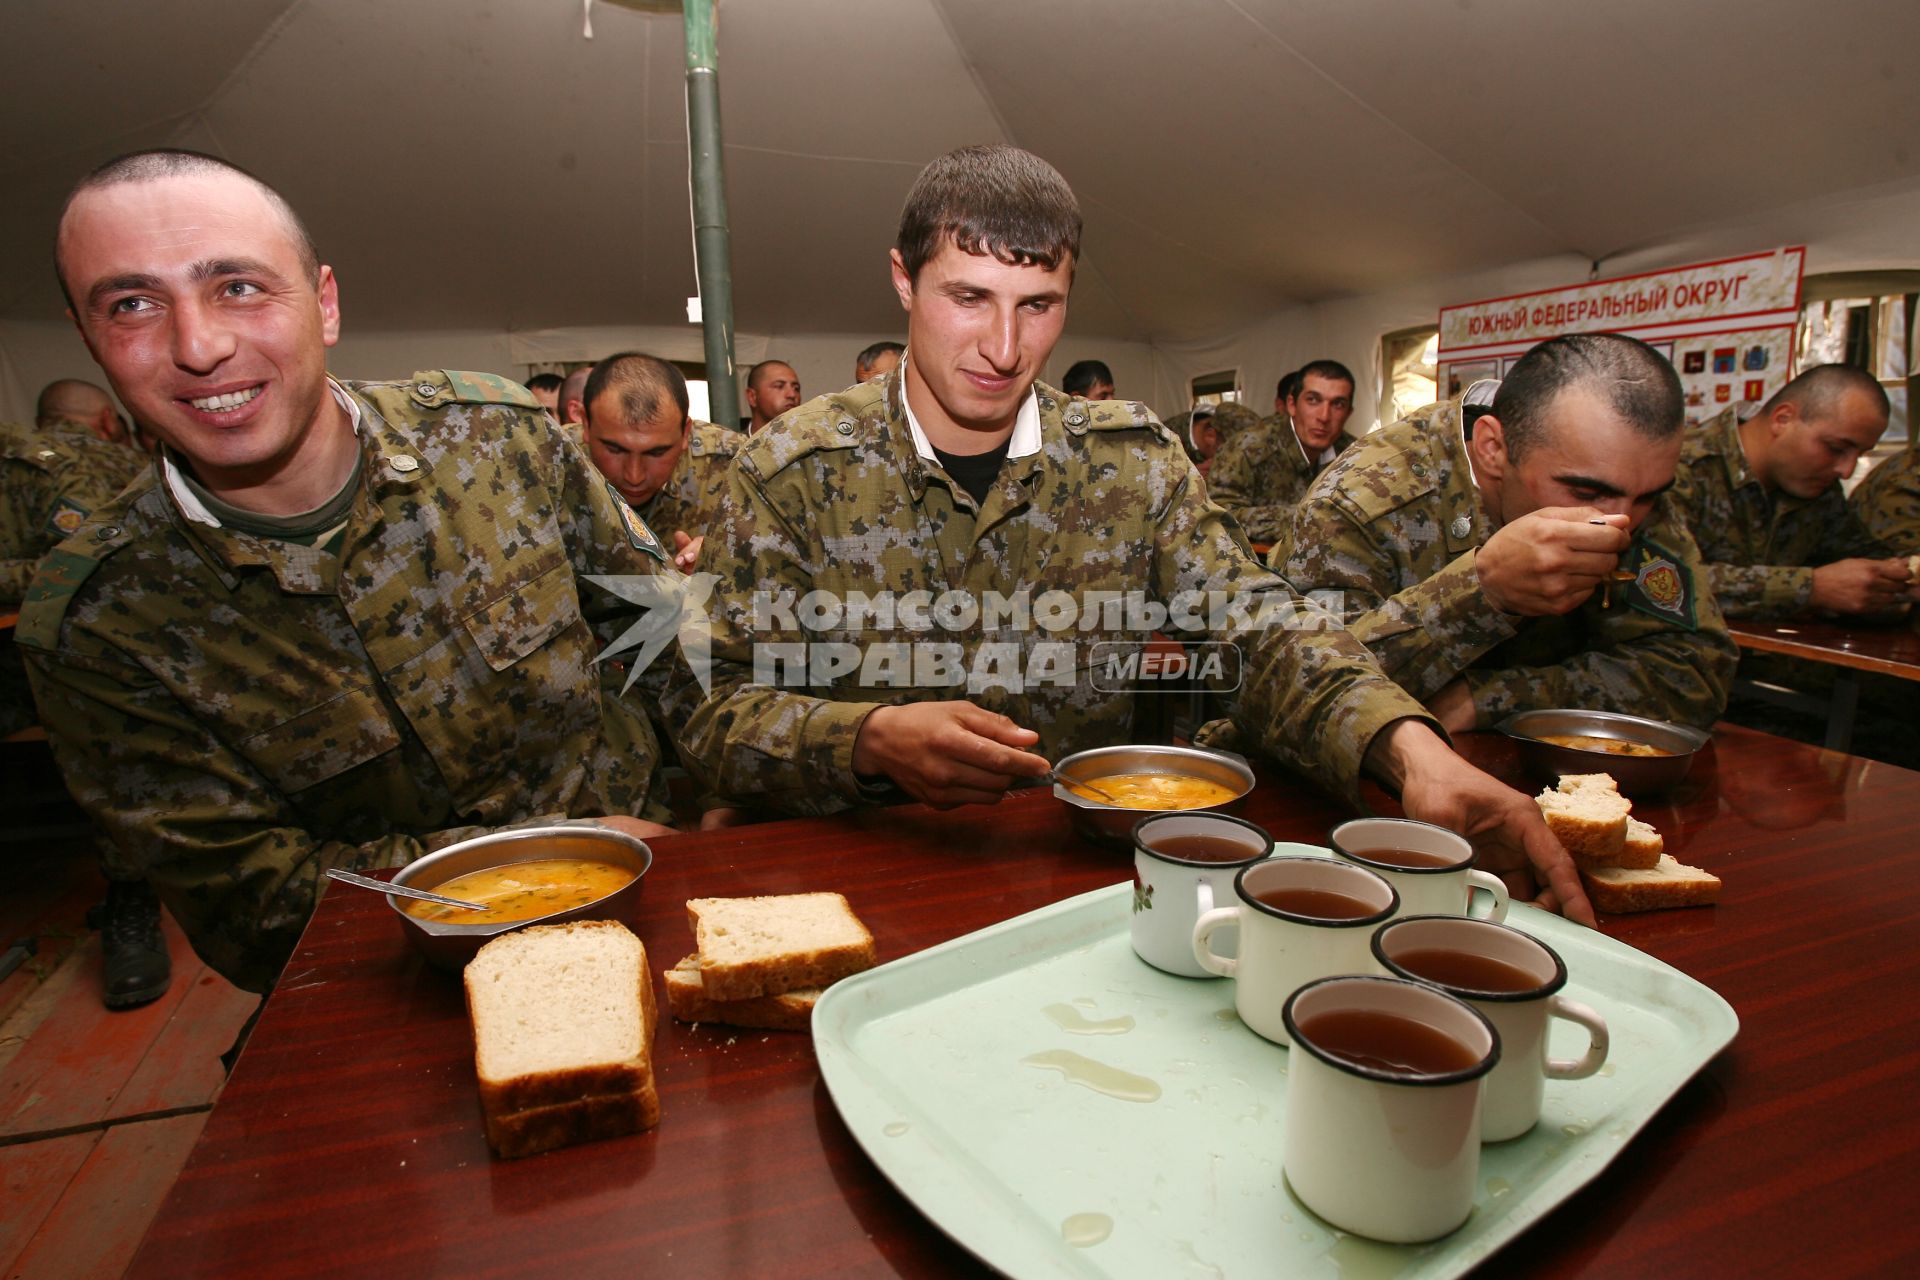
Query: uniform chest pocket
[527, 619]
[347, 730]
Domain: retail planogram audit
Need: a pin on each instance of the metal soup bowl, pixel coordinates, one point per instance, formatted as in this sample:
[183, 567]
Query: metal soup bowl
[1635, 775]
[1112, 824]
[450, 946]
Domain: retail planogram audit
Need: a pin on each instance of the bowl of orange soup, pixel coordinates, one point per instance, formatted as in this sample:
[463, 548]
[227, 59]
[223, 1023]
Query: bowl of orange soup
[1147, 779]
[533, 875]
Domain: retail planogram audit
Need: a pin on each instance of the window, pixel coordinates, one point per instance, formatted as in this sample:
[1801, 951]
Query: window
[1218, 388]
[1864, 319]
[1408, 376]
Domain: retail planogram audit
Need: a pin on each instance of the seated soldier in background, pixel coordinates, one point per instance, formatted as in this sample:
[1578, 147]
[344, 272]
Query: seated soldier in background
[933, 551]
[878, 360]
[1763, 498]
[1088, 379]
[669, 467]
[341, 624]
[1201, 435]
[772, 389]
[56, 473]
[1259, 475]
[72, 405]
[1471, 562]
[1887, 503]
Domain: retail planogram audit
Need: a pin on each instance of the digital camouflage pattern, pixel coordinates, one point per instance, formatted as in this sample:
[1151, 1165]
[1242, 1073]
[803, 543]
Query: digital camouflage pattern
[51, 479]
[239, 714]
[692, 495]
[1760, 548]
[1887, 503]
[1396, 524]
[1261, 472]
[837, 500]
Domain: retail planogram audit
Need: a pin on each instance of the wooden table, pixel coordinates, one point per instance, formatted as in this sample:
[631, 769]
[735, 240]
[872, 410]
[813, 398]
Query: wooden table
[348, 1140]
[1889, 649]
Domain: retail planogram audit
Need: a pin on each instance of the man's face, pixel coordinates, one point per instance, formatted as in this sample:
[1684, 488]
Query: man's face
[1100, 391]
[774, 391]
[190, 294]
[636, 456]
[1588, 456]
[1206, 439]
[980, 330]
[1321, 408]
[1807, 455]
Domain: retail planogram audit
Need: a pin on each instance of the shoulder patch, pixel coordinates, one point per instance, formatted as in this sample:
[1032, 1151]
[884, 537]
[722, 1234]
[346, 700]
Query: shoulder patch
[66, 517]
[1662, 585]
[61, 574]
[638, 533]
[436, 387]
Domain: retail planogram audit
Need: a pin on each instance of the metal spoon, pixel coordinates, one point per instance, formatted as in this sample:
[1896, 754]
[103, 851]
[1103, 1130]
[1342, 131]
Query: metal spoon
[381, 886]
[1074, 784]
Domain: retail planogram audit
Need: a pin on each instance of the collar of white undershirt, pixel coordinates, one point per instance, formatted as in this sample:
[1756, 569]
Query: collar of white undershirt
[189, 503]
[1024, 442]
[1326, 455]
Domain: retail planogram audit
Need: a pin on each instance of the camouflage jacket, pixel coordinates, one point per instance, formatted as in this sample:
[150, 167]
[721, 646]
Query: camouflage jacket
[1261, 472]
[691, 497]
[1396, 524]
[51, 479]
[241, 713]
[839, 502]
[1761, 548]
[1887, 503]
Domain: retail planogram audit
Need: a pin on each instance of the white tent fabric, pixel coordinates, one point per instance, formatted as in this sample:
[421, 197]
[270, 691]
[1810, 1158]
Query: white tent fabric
[1264, 181]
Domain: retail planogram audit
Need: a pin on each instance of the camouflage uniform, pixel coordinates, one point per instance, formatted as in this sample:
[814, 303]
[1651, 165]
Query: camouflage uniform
[837, 500]
[1887, 503]
[240, 713]
[1261, 472]
[51, 479]
[1395, 524]
[1761, 548]
[691, 497]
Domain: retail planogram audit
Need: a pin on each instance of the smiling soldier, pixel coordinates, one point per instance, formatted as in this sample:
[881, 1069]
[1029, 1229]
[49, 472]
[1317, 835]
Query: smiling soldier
[1471, 554]
[1013, 508]
[339, 626]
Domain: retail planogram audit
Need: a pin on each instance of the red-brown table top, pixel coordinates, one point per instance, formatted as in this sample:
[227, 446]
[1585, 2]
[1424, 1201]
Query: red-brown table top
[348, 1140]
[1891, 649]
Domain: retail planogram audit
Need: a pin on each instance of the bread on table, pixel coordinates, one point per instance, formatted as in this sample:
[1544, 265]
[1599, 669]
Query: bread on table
[563, 1020]
[770, 946]
[1589, 815]
[688, 1001]
[1668, 883]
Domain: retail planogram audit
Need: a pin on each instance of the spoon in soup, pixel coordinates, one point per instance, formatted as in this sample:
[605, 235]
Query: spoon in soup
[1075, 784]
[401, 890]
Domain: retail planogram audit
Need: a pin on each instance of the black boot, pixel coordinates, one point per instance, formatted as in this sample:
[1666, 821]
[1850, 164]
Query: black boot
[137, 968]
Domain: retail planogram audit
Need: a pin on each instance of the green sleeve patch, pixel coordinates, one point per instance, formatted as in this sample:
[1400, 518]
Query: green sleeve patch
[638, 533]
[60, 575]
[483, 388]
[66, 516]
[1662, 585]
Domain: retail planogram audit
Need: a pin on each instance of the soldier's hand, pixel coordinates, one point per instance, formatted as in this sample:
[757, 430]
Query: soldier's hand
[1453, 707]
[1860, 586]
[686, 550]
[946, 753]
[1509, 836]
[1549, 561]
[634, 826]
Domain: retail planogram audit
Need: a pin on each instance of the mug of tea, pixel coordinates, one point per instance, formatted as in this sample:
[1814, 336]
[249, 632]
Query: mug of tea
[1430, 867]
[1514, 979]
[1383, 1105]
[1182, 862]
[1300, 918]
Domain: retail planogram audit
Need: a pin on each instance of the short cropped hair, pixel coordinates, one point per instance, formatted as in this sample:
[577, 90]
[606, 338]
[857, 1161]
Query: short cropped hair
[753, 374]
[1816, 392]
[1636, 382]
[545, 382]
[1331, 370]
[1081, 376]
[870, 355]
[643, 385]
[167, 162]
[996, 200]
[1289, 386]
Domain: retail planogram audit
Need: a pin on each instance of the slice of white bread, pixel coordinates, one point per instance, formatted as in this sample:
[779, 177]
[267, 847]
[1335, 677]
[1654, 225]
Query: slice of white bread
[563, 1019]
[687, 999]
[772, 945]
[1643, 847]
[1589, 815]
[1667, 884]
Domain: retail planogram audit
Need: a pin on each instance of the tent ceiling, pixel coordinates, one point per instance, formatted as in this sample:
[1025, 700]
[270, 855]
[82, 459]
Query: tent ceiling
[478, 164]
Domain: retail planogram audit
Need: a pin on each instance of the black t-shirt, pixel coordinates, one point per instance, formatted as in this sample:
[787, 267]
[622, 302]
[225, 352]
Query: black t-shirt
[974, 472]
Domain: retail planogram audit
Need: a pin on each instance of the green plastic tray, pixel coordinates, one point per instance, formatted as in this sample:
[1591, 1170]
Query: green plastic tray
[947, 1066]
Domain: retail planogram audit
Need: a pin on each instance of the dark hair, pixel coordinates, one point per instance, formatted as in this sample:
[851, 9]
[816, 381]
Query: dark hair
[1331, 370]
[545, 382]
[1637, 383]
[869, 356]
[167, 162]
[1816, 392]
[1081, 376]
[753, 374]
[996, 200]
[1289, 387]
[643, 384]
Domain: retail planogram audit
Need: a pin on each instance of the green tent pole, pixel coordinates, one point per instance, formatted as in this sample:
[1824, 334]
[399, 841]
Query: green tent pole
[713, 257]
